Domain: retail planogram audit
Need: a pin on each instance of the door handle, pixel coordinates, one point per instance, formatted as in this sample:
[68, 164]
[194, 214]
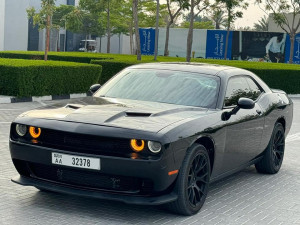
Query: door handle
[258, 111]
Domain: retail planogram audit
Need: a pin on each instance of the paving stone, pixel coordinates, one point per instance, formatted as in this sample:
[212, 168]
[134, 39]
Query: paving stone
[243, 198]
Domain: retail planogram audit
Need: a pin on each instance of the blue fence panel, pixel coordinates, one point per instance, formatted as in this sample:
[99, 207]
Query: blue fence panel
[215, 44]
[147, 37]
[296, 59]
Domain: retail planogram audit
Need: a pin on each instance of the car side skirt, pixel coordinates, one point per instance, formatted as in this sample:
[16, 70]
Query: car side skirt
[228, 173]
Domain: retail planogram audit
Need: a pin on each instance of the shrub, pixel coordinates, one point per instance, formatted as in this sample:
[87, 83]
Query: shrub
[80, 57]
[280, 76]
[37, 78]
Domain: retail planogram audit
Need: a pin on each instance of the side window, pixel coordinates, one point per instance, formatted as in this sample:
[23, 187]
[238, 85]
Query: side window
[255, 90]
[237, 87]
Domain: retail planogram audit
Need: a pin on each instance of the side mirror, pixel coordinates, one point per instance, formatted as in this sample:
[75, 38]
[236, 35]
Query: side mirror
[94, 88]
[246, 103]
[243, 103]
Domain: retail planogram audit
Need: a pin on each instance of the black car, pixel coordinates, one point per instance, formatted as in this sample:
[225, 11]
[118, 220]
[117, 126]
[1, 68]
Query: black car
[154, 134]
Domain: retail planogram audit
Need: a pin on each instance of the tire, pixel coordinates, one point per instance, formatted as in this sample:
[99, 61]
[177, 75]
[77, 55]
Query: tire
[273, 156]
[192, 182]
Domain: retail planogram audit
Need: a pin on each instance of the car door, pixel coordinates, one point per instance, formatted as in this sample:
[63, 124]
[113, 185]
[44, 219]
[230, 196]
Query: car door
[244, 129]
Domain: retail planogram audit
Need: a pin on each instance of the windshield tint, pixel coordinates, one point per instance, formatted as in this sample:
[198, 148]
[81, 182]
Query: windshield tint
[173, 87]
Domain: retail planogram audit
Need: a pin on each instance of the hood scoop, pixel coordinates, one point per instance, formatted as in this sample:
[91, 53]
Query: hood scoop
[138, 114]
[73, 106]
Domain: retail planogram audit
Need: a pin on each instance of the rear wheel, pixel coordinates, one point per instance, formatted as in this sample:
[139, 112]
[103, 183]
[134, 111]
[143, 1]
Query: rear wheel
[273, 157]
[193, 182]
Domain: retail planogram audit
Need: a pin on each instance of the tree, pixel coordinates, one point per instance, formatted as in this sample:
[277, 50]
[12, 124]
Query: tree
[198, 18]
[43, 20]
[156, 30]
[136, 26]
[199, 25]
[98, 7]
[59, 18]
[200, 5]
[246, 28]
[84, 22]
[217, 15]
[279, 10]
[173, 14]
[262, 24]
[231, 7]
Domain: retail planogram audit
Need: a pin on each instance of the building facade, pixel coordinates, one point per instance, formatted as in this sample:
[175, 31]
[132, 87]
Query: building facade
[18, 33]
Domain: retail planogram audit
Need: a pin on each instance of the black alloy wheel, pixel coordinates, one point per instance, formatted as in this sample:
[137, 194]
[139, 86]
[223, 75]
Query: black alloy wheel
[192, 184]
[278, 148]
[197, 180]
[273, 156]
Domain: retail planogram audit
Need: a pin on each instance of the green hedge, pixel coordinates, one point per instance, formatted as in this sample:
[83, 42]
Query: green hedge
[80, 57]
[38, 78]
[279, 76]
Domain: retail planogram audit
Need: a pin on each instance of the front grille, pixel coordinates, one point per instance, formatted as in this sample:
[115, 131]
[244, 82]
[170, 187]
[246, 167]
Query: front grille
[91, 179]
[85, 143]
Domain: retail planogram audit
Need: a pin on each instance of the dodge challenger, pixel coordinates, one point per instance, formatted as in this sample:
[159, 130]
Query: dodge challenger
[154, 134]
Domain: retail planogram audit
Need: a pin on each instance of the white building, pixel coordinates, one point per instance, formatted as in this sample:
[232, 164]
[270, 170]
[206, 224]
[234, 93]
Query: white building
[16, 33]
[273, 27]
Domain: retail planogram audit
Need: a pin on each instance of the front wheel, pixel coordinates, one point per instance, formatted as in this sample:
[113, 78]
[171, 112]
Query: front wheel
[273, 156]
[193, 182]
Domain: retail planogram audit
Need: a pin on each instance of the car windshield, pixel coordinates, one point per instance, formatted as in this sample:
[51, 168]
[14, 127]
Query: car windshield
[165, 86]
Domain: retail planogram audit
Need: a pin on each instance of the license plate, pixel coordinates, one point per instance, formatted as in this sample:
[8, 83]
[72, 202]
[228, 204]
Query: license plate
[75, 161]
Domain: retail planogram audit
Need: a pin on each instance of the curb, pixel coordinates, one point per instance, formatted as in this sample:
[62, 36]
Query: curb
[9, 99]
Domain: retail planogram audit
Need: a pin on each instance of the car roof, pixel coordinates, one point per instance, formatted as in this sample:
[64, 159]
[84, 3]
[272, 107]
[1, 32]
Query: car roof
[204, 68]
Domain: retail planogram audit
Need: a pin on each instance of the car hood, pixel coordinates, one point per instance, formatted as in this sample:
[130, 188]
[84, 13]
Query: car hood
[130, 114]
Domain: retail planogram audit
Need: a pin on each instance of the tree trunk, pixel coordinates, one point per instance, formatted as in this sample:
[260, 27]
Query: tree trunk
[227, 35]
[57, 42]
[136, 25]
[47, 38]
[156, 30]
[119, 43]
[100, 48]
[131, 38]
[190, 33]
[226, 44]
[85, 43]
[292, 39]
[108, 27]
[166, 52]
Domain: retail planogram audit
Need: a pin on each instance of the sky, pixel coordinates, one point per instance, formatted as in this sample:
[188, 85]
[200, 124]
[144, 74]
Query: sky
[251, 15]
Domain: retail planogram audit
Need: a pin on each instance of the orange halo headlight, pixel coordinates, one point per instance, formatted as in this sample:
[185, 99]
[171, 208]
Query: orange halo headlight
[137, 145]
[35, 132]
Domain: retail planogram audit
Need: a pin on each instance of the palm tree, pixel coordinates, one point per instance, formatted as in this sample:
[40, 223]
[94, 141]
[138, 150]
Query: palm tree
[219, 18]
[262, 24]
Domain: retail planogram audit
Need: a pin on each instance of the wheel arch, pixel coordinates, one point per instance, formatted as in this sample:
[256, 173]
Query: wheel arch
[282, 121]
[209, 144]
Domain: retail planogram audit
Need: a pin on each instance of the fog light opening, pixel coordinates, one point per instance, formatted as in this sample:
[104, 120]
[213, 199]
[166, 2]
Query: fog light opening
[137, 145]
[35, 132]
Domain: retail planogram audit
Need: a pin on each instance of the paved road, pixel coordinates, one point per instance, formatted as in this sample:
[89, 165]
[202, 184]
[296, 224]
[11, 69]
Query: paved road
[244, 198]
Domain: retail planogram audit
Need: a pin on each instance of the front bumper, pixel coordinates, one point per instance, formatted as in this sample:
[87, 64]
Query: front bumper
[154, 170]
[139, 200]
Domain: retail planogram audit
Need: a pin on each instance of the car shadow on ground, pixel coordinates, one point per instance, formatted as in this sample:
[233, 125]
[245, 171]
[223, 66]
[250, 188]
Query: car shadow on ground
[221, 192]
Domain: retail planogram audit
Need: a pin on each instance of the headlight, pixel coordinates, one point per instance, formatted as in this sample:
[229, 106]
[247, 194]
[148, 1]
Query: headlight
[21, 129]
[137, 145]
[35, 132]
[154, 146]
